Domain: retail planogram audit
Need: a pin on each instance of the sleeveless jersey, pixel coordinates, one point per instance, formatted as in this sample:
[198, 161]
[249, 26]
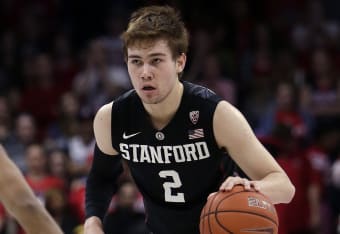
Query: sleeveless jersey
[177, 167]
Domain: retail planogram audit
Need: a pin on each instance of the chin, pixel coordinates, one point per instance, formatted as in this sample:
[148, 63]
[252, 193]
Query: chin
[150, 100]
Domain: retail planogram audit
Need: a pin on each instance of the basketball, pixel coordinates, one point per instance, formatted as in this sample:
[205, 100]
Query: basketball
[238, 211]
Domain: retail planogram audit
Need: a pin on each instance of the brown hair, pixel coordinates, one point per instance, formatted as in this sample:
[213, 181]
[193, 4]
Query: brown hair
[152, 23]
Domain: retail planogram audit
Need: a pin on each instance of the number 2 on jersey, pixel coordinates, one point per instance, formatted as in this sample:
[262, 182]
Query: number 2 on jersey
[175, 183]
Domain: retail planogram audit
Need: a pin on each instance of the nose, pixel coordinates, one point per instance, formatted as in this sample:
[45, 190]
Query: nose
[146, 72]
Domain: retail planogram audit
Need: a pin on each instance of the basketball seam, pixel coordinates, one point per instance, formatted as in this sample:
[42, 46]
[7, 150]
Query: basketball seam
[209, 212]
[215, 213]
[202, 219]
[246, 212]
[223, 227]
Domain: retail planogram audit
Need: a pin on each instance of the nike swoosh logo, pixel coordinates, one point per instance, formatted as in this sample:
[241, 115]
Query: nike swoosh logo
[129, 136]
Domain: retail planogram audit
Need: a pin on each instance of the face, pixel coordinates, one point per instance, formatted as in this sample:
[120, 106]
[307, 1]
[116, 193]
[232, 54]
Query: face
[57, 163]
[35, 158]
[285, 96]
[127, 195]
[25, 128]
[69, 105]
[153, 71]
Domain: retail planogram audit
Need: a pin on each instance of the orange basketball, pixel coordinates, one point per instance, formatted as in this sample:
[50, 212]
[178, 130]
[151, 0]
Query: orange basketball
[238, 211]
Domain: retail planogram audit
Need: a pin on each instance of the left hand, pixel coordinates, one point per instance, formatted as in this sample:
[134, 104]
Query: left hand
[231, 181]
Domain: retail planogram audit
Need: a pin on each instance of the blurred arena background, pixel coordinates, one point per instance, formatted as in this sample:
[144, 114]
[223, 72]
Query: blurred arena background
[277, 61]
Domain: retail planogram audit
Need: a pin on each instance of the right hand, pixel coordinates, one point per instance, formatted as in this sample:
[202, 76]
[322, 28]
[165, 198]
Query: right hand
[93, 225]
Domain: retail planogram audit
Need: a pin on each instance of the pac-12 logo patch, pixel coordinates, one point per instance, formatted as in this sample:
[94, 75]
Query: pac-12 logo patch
[194, 115]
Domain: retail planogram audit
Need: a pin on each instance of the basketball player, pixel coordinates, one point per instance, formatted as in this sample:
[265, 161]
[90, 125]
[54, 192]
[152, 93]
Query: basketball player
[20, 201]
[174, 135]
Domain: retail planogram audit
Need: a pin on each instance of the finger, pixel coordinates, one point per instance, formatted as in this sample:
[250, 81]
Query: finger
[227, 184]
[230, 182]
[255, 185]
[211, 195]
[247, 184]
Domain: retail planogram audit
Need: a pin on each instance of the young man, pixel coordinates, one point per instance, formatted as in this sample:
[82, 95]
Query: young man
[20, 201]
[174, 135]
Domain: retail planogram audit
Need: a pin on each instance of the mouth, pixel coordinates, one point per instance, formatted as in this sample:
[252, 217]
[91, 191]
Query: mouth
[148, 88]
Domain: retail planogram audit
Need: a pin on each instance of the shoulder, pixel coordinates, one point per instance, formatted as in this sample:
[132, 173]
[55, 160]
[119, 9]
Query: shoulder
[124, 103]
[200, 93]
[199, 90]
[101, 128]
[230, 125]
[228, 115]
[102, 124]
[103, 116]
[106, 110]
[227, 110]
[126, 97]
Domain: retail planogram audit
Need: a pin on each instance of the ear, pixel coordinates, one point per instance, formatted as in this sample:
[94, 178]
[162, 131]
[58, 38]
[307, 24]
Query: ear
[180, 62]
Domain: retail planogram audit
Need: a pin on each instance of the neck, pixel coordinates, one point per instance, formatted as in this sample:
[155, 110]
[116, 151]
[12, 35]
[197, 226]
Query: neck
[161, 113]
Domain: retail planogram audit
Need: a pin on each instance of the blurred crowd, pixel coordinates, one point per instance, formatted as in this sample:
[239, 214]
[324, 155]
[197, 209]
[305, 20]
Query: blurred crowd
[277, 61]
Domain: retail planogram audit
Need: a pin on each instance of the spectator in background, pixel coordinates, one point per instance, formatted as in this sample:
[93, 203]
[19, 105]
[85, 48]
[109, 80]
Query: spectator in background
[212, 78]
[37, 175]
[285, 68]
[256, 86]
[295, 217]
[285, 109]
[313, 29]
[99, 81]
[81, 146]
[240, 24]
[115, 24]
[125, 218]
[65, 66]
[42, 96]
[56, 204]
[262, 55]
[19, 200]
[319, 156]
[203, 43]
[322, 92]
[77, 198]
[58, 163]
[65, 126]
[117, 73]
[24, 134]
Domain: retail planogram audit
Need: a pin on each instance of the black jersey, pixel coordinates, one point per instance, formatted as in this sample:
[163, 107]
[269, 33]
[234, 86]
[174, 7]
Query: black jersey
[177, 167]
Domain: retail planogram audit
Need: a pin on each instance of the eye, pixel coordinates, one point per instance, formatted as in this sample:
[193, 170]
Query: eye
[136, 62]
[156, 61]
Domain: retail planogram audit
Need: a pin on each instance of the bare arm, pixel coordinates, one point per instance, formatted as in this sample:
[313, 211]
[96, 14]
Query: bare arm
[102, 129]
[233, 133]
[20, 201]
